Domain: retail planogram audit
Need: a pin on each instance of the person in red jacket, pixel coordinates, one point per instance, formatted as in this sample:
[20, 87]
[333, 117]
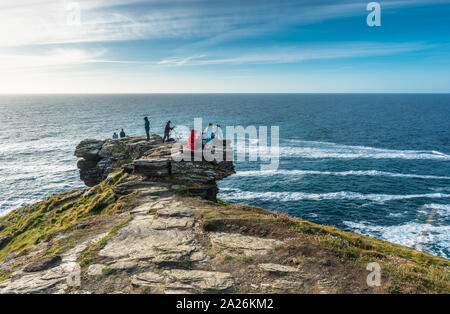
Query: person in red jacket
[193, 142]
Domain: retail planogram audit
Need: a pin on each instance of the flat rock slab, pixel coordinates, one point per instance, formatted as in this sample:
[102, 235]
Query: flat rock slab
[144, 238]
[124, 265]
[278, 268]
[170, 223]
[74, 253]
[141, 210]
[95, 269]
[40, 282]
[172, 211]
[185, 281]
[235, 243]
[148, 279]
[198, 280]
[53, 278]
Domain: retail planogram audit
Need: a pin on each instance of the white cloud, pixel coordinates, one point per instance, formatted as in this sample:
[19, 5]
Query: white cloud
[32, 22]
[53, 58]
[280, 55]
[179, 61]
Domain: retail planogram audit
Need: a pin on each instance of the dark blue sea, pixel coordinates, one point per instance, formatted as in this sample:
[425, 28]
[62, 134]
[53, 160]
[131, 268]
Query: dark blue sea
[373, 164]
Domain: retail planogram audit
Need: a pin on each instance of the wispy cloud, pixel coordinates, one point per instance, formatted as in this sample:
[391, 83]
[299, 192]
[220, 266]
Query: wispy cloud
[31, 22]
[280, 55]
[55, 58]
[179, 61]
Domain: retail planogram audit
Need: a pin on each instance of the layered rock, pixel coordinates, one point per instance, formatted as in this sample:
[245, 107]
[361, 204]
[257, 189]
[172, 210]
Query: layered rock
[101, 157]
[153, 160]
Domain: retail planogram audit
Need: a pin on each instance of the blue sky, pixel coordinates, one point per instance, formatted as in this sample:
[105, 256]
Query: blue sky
[177, 46]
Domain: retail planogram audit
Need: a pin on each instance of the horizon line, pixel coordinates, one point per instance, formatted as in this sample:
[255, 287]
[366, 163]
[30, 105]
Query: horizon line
[230, 93]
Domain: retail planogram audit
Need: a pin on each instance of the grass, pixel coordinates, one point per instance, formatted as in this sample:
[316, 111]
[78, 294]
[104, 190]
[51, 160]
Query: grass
[5, 274]
[106, 271]
[60, 213]
[92, 252]
[227, 259]
[247, 259]
[184, 264]
[223, 203]
[407, 270]
[64, 243]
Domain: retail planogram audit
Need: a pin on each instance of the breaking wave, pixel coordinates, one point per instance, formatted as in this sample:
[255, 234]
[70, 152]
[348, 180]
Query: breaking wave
[237, 194]
[253, 173]
[316, 150]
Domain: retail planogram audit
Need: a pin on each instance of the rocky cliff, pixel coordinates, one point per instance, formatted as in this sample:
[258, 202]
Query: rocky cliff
[151, 224]
[153, 161]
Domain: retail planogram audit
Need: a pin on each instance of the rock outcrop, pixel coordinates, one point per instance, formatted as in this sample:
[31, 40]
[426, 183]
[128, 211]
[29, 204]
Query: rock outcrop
[101, 157]
[153, 161]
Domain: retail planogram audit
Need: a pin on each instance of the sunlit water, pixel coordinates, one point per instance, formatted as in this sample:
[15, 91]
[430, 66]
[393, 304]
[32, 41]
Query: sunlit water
[374, 164]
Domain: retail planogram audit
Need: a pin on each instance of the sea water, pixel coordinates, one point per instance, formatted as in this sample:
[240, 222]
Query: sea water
[369, 163]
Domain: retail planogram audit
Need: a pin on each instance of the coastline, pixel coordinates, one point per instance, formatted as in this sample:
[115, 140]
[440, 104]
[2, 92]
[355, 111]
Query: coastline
[156, 232]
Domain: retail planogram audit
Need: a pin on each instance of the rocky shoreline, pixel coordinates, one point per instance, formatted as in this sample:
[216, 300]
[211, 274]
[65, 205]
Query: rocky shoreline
[151, 224]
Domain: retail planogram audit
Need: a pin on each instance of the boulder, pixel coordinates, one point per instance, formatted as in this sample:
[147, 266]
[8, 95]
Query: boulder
[42, 264]
[89, 149]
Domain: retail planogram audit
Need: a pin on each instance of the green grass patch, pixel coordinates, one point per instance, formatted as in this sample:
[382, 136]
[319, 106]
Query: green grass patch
[91, 253]
[60, 213]
[106, 271]
[5, 274]
[247, 259]
[417, 272]
[227, 259]
[185, 264]
[223, 203]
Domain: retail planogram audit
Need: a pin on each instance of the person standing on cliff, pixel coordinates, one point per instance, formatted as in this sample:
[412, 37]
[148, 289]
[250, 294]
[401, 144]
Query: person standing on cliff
[218, 133]
[167, 130]
[147, 128]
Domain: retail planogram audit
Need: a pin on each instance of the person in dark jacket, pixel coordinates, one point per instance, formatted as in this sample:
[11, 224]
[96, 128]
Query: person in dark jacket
[122, 133]
[147, 128]
[167, 130]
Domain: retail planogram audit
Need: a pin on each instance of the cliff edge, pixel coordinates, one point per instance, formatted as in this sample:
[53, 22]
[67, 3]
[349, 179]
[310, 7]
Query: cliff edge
[151, 224]
[152, 160]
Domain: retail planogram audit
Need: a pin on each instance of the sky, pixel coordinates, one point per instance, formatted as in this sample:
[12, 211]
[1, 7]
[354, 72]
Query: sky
[209, 46]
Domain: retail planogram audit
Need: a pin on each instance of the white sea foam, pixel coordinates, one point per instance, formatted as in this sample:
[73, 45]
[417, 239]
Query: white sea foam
[35, 147]
[236, 194]
[316, 150]
[396, 214]
[441, 209]
[7, 206]
[253, 173]
[412, 234]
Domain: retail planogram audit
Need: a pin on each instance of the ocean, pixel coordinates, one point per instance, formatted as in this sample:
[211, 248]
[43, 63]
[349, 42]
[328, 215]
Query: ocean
[374, 164]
